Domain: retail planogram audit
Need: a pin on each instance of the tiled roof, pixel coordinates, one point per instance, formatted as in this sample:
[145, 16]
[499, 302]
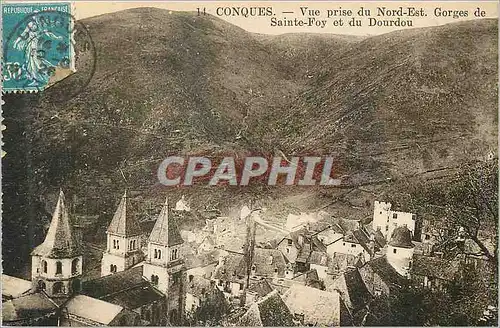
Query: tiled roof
[361, 237]
[294, 236]
[251, 318]
[59, 241]
[384, 270]
[270, 311]
[198, 286]
[303, 232]
[470, 247]
[202, 260]
[126, 288]
[364, 241]
[304, 253]
[435, 267]
[13, 287]
[317, 245]
[165, 231]
[338, 262]
[30, 306]
[350, 238]
[329, 235]
[308, 278]
[310, 243]
[93, 309]
[261, 287]
[320, 308]
[345, 224]
[380, 239]
[352, 289]
[401, 237]
[123, 224]
[135, 297]
[318, 258]
[233, 268]
[266, 261]
[114, 283]
[338, 228]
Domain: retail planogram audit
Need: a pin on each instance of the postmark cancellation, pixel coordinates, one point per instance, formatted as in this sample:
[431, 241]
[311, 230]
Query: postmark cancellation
[38, 45]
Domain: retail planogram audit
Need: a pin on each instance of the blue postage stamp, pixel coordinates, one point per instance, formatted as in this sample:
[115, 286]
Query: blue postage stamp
[37, 43]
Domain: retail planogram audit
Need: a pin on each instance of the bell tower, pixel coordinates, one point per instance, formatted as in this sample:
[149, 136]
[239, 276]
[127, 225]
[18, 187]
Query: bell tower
[124, 236]
[57, 262]
[164, 265]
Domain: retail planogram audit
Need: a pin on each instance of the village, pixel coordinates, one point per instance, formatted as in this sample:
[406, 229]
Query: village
[311, 269]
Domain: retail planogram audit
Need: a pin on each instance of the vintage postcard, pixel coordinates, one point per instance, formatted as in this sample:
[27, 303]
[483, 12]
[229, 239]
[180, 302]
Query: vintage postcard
[229, 163]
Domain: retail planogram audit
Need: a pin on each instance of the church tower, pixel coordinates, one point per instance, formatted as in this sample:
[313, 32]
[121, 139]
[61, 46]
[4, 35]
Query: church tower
[164, 266]
[56, 264]
[123, 248]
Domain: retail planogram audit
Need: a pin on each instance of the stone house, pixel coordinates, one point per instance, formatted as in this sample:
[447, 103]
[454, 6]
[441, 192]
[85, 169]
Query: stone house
[433, 272]
[196, 290]
[270, 311]
[314, 307]
[386, 220]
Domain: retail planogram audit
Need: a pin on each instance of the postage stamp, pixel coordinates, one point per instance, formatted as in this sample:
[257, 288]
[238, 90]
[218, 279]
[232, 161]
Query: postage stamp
[230, 163]
[37, 45]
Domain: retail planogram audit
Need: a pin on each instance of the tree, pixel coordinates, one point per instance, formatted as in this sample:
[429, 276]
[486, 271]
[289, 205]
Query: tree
[467, 200]
[249, 246]
[405, 307]
[473, 204]
[459, 303]
[213, 310]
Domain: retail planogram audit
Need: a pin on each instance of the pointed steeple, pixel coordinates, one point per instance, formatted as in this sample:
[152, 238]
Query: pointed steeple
[123, 224]
[59, 241]
[165, 231]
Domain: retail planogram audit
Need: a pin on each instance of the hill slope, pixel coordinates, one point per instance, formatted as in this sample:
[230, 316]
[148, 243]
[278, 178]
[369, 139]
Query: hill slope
[403, 102]
[175, 82]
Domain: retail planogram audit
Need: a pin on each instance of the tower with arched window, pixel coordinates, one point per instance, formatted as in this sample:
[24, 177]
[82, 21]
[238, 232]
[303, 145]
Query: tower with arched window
[57, 262]
[164, 265]
[124, 236]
